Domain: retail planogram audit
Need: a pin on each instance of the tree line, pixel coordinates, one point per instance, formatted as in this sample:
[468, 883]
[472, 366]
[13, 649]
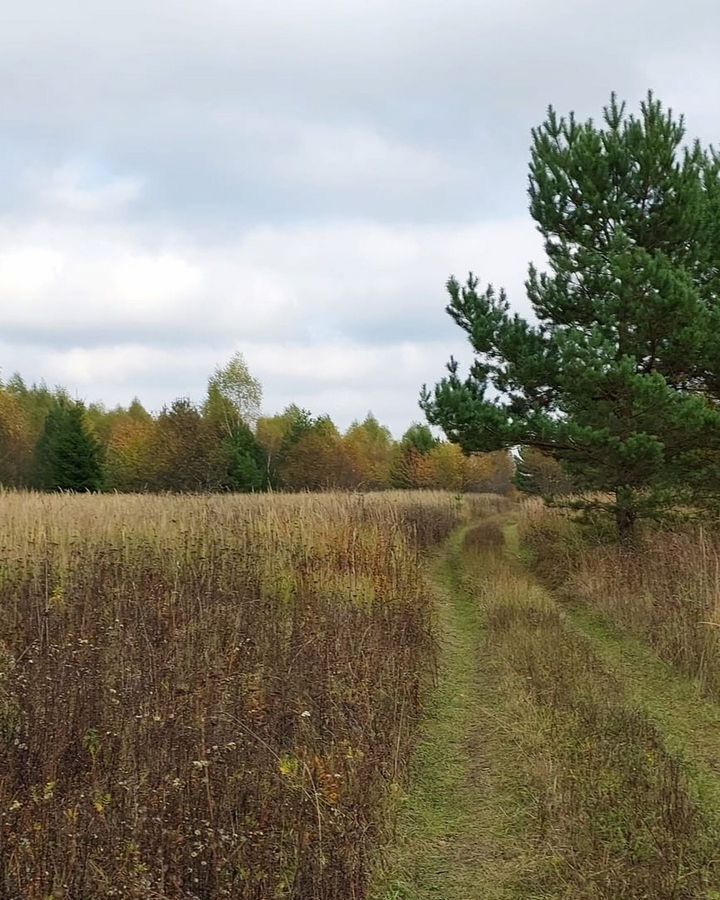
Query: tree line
[49, 441]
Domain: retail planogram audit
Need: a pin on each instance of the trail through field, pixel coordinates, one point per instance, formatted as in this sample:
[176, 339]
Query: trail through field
[460, 822]
[560, 757]
[688, 721]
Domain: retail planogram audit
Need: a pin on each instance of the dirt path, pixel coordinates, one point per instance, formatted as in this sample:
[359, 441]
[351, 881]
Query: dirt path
[460, 818]
[559, 759]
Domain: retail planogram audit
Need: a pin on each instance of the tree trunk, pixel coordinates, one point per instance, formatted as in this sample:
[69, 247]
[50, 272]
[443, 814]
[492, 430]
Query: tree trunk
[625, 515]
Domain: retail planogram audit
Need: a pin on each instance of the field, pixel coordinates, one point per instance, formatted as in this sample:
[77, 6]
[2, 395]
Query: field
[208, 697]
[666, 591]
[566, 754]
[397, 696]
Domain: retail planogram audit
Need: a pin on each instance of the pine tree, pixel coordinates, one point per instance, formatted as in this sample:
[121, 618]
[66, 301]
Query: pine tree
[68, 457]
[620, 376]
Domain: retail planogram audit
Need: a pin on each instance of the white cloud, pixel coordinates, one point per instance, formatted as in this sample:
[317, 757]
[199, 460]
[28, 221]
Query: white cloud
[356, 157]
[144, 281]
[27, 270]
[294, 180]
[64, 283]
[87, 368]
[340, 317]
[69, 187]
[295, 282]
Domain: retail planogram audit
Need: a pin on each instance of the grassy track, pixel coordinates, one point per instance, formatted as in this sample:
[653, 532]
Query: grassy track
[457, 823]
[560, 759]
[687, 719]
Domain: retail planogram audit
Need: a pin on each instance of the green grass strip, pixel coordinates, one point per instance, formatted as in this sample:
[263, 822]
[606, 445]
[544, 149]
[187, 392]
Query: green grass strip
[460, 834]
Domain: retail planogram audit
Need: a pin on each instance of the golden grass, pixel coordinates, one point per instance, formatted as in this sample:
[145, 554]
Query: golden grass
[607, 809]
[206, 697]
[665, 590]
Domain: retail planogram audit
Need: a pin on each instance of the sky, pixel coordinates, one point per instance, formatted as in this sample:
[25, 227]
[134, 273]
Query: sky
[294, 180]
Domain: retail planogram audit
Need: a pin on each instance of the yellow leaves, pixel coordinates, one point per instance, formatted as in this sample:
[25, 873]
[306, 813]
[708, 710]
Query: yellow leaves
[100, 802]
[320, 776]
[330, 788]
[43, 793]
[93, 744]
[57, 597]
[446, 467]
[328, 783]
[289, 766]
[353, 753]
[71, 815]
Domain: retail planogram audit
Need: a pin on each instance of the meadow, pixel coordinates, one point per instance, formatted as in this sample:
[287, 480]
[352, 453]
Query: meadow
[390, 696]
[563, 756]
[665, 589]
[210, 696]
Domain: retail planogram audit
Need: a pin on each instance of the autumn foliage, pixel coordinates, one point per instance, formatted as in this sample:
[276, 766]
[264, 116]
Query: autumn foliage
[222, 444]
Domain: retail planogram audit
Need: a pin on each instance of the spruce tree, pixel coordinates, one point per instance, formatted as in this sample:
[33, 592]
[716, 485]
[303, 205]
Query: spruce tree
[247, 461]
[68, 457]
[619, 376]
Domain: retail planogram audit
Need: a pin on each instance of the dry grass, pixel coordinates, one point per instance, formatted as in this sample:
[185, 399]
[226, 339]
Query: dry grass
[207, 697]
[608, 809]
[666, 590]
[481, 505]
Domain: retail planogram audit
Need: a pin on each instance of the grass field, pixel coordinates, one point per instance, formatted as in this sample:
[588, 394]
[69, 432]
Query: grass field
[561, 757]
[208, 697]
[382, 697]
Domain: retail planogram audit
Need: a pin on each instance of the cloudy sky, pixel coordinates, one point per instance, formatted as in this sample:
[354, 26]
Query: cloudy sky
[295, 179]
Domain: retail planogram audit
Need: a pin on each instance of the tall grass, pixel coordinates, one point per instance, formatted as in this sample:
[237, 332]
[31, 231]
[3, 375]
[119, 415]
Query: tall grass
[607, 808]
[207, 697]
[665, 590]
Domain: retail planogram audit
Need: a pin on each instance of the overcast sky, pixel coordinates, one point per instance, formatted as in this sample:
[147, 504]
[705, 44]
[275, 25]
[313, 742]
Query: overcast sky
[295, 180]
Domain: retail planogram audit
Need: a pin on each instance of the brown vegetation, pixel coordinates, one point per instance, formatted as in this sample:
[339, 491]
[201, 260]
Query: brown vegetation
[207, 697]
[607, 808]
[666, 589]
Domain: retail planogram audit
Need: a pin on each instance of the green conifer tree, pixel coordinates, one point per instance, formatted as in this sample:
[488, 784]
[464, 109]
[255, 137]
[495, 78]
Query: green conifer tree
[420, 438]
[619, 377]
[68, 457]
[247, 461]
